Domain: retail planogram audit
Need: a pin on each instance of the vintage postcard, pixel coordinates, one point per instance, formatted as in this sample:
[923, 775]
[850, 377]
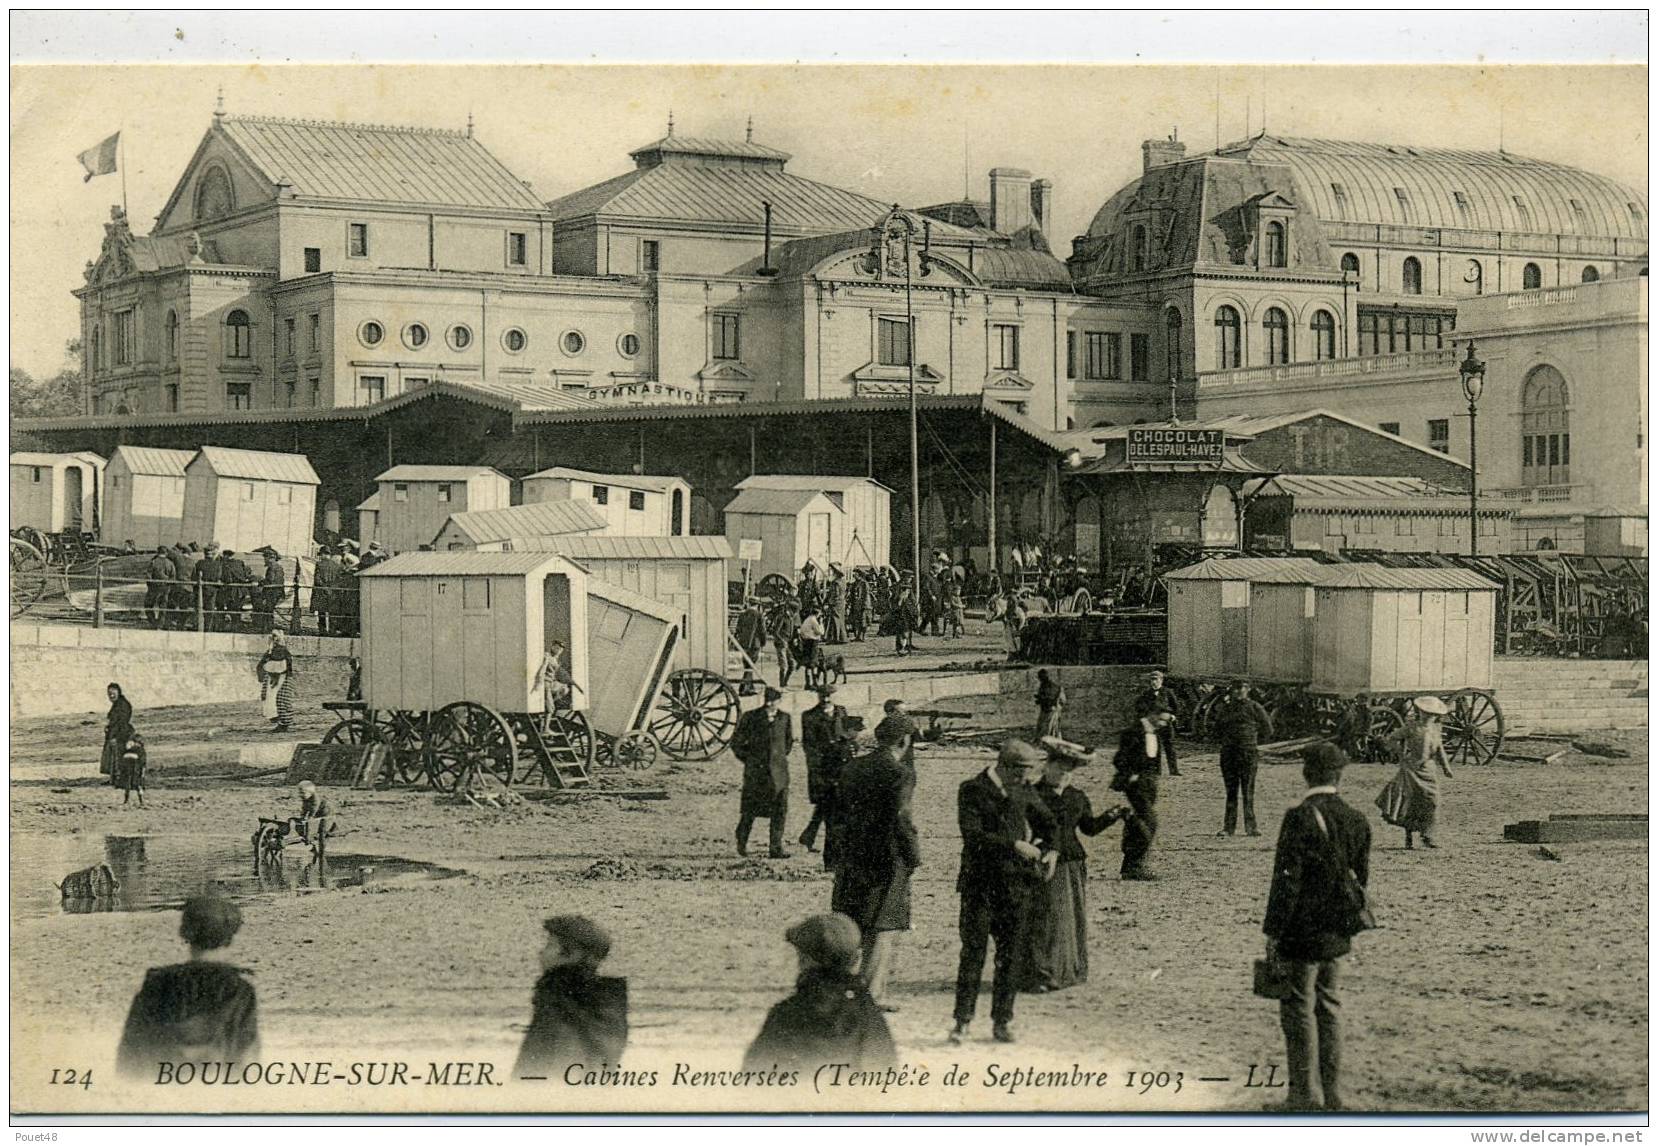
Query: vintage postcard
[841, 588]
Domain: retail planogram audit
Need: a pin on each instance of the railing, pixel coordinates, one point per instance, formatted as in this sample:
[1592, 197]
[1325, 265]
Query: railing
[1531, 298]
[1330, 368]
[1532, 494]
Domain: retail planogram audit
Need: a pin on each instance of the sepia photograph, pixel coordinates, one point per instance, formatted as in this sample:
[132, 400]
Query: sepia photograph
[976, 586]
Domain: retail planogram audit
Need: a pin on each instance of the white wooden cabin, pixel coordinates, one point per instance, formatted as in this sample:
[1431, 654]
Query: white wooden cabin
[1209, 612]
[632, 505]
[1282, 612]
[1384, 630]
[144, 497]
[489, 528]
[415, 501]
[368, 520]
[793, 526]
[246, 499]
[867, 504]
[56, 493]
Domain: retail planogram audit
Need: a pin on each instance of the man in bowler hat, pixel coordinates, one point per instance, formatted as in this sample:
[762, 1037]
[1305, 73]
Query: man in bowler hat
[762, 742]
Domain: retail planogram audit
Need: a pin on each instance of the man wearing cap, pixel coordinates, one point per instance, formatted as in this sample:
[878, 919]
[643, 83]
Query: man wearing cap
[830, 1018]
[1159, 698]
[1136, 778]
[1007, 847]
[1239, 722]
[876, 851]
[751, 638]
[762, 741]
[1310, 922]
[827, 743]
[578, 1015]
[208, 576]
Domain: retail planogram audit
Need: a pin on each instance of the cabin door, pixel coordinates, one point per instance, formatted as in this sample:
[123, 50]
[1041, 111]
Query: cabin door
[72, 498]
[817, 538]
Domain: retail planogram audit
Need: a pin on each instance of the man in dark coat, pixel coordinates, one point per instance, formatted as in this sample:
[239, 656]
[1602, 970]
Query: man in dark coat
[209, 574]
[762, 741]
[877, 851]
[1310, 923]
[830, 1018]
[827, 743]
[1007, 844]
[1136, 778]
[1155, 699]
[202, 1009]
[323, 579]
[237, 595]
[751, 638]
[158, 589]
[578, 1016]
[269, 594]
[1239, 722]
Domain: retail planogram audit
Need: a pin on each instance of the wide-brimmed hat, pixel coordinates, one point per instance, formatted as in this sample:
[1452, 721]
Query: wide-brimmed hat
[1432, 705]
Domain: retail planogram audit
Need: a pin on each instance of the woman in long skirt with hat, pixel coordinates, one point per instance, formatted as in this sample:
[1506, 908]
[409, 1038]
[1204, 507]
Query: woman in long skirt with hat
[1053, 951]
[1411, 799]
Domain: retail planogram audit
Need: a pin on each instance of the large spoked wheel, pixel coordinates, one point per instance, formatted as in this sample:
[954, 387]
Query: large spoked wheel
[29, 575]
[1474, 729]
[406, 735]
[1292, 711]
[695, 715]
[1204, 710]
[1381, 733]
[465, 735]
[352, 730]
[774, 585]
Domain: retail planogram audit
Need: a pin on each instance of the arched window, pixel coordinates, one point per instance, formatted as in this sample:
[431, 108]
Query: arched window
[1228, 339]
[1474, 276]
[1350, 267]
[1532, 277]
[1277, 325]
[170, 333]
[676, 526]
[1173, 326]
[331, 516]
[1140, 253]
[238, 335]
[1591, 275]
[1412, 276]
[1324, 335]
[1277, 246]
[1545, 429]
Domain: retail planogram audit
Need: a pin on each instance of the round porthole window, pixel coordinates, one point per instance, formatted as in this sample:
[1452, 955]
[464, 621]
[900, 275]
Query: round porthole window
[371, 333]
[628, 344]
[415, 335]
[515, 340]
[460, 337]
[572, 342]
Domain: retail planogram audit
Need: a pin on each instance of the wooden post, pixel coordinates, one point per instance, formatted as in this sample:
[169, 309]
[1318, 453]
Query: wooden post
[751, 466]
[298, 613]
[201, 620]
[98, 596]
[995, 554]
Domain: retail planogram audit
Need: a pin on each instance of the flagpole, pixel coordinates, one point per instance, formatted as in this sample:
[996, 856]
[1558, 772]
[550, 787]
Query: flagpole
[121, 162]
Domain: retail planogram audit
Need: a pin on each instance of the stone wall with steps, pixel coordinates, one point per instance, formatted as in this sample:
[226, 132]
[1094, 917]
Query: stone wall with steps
[1540, 694]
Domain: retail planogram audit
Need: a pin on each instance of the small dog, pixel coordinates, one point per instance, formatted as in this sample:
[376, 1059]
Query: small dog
[826, 669]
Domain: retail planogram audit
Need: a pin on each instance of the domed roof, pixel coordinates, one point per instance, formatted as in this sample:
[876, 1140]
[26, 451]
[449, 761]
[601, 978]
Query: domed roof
[1439, 187]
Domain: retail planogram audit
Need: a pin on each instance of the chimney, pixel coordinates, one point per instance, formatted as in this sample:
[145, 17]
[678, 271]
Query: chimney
[1162, 152]
[1042, 204]
[1010, 199]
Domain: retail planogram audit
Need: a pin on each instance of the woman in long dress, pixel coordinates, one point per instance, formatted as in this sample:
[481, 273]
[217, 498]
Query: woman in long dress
[1411, 799]
[1053, 953]
[117, 729]
[276, 675]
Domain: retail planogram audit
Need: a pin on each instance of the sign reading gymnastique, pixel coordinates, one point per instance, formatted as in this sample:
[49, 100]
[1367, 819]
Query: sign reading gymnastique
[652, 392]
[1153, 444]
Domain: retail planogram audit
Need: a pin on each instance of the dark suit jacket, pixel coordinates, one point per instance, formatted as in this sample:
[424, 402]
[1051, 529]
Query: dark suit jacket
[1155, 700]
[991, 822]
[877, 846]
[1305, 905]
[764, 750]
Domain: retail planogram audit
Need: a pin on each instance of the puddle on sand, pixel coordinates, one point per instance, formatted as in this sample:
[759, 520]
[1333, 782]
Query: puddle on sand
[157, 872]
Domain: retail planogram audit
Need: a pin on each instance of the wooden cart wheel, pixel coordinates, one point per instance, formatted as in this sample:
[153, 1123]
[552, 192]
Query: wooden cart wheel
[405, 733]
[1294, 713]
[1189, 695]
[463, 735]
[1381, 734]
[29, 575]
[1205, 708]
[695, 715]
[774, 585]
[352, 730]
[636, 750]
[1474, 729]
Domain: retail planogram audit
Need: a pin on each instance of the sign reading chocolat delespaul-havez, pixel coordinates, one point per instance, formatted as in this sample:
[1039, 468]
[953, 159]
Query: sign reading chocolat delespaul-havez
[1172, 444]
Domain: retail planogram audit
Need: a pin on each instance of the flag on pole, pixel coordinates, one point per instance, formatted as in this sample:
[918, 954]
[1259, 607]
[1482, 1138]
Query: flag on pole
[100, 160]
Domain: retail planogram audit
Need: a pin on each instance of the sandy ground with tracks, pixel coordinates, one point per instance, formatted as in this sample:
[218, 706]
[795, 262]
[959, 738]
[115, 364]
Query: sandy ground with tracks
[1503, 980]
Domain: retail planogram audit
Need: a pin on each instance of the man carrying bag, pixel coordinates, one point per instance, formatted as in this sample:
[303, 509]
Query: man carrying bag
[1315, 907]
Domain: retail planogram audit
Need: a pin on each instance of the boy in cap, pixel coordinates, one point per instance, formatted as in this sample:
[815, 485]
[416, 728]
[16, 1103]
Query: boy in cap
[762, 741]
[578, 1015]
[830, 1017]
[1310, 923]
[1007, 839]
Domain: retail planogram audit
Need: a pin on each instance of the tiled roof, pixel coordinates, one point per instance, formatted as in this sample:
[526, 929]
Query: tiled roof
[150, 460]
[259, 465]
[653, 482]
[581, 546]
[323, 160]
[464, 563]
[775, 502]
[541, 519]
[724, 195]
[1246, 569]
[438, 473]
[1363, 575]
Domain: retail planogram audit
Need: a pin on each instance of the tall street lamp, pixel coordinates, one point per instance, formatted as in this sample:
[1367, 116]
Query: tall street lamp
[1472, 371]
[894, 237]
